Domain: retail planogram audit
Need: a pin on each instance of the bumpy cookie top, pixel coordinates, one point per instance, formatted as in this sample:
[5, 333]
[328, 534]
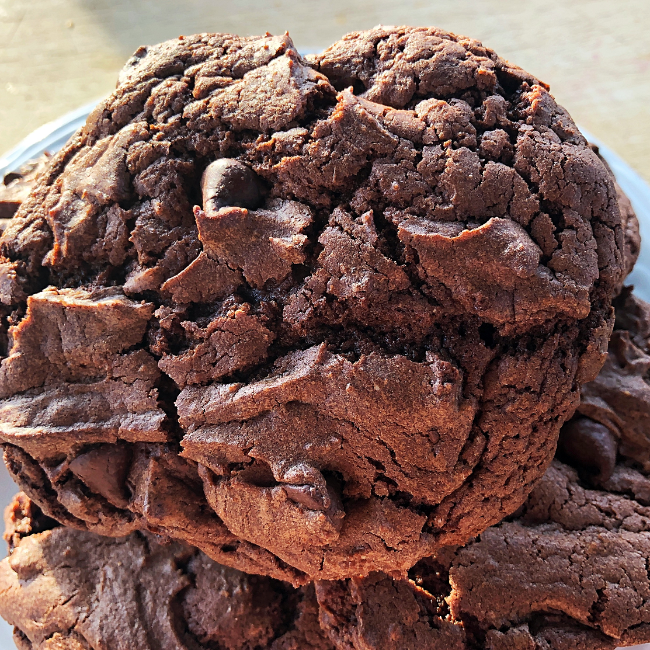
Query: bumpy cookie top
[358, 294]
[630, 225]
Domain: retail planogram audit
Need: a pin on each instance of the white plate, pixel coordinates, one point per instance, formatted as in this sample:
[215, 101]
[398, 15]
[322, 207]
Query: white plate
[51, 137]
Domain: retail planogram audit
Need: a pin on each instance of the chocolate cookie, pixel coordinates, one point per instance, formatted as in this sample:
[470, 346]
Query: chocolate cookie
[631, 228]
[317, 317]
[64, 588]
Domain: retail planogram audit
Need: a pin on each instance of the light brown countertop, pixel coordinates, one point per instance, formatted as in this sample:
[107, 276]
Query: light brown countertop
[56, 55]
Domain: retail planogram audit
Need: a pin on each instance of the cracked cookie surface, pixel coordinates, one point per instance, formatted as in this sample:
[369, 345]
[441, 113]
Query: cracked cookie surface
[351, 342]
[568, 570]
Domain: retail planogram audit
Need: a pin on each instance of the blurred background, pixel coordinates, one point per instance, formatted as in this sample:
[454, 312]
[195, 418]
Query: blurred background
[57, 55]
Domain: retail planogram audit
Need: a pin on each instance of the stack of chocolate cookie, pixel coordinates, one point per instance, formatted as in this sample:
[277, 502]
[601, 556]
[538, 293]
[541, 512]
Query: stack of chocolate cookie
[287, 347]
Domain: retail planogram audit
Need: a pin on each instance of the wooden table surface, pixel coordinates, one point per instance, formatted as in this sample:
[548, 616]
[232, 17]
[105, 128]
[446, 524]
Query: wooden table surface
[56, 55]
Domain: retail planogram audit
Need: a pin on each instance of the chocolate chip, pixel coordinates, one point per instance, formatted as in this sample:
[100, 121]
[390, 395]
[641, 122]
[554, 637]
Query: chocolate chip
[308, 496]
[104, 470]
[10, 177]
[229, 183]
[589, 445]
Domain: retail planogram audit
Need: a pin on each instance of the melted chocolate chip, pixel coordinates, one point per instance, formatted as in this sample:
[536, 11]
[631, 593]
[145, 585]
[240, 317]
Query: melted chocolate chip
[229, 183]
[589, 445]
[308, 496]
[11, 176]
[104, 470]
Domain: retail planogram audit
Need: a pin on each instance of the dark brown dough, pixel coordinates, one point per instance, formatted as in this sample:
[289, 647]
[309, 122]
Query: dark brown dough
[619, 398]
[367, 358]
[67, 589]
[568, 573]
[630, 224]
[631, 227]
